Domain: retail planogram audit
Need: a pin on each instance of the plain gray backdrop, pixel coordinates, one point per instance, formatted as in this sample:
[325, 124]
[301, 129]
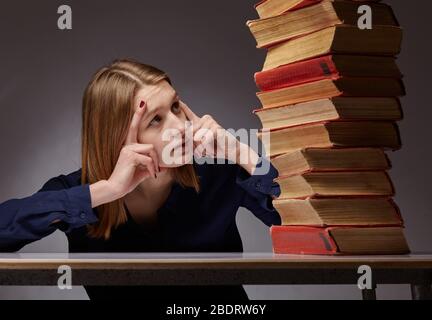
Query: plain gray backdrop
[211, 57]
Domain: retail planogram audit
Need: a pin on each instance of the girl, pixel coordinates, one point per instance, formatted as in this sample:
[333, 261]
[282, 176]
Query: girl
[127, 196]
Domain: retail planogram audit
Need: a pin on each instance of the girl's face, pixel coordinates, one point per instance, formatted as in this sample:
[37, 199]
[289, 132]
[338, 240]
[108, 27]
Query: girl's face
[164, 114]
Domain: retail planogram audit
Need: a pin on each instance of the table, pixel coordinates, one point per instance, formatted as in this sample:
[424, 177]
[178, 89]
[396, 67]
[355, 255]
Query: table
[218, 269]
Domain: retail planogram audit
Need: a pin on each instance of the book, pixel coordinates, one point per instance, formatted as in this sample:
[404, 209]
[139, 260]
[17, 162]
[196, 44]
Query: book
[343, 39]
[329, 88]
[329, 94]
[273, 30]
[333, 109]
[338, 240]
[270, 8]
[338, 212]
[327, 67]
[328, 160]
[331, 134]
[335, 184]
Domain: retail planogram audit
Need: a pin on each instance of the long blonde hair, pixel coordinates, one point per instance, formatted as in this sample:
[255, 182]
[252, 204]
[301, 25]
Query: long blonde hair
[107, 110]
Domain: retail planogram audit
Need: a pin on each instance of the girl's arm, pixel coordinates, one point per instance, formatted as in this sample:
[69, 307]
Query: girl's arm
[259, 187]
[25, 220]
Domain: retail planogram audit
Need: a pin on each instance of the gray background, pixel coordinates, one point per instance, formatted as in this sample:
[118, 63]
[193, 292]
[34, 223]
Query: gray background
[211, 57]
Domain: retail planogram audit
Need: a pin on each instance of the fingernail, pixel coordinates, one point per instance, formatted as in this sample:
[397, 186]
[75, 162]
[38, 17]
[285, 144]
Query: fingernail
[142, 104]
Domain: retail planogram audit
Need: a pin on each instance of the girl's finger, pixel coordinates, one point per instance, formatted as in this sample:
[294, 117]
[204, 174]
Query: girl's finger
[142, 174]
[146, 149]
[140, 148]
[153, 154]
[208, 124]
[208, 140]
[132, 136]
[147, 162]
[200, 133]
[197, 151]
[203, 123]
[189, 113]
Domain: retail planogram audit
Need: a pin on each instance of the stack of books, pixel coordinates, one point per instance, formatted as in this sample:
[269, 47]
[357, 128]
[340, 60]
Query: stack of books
[330, 102]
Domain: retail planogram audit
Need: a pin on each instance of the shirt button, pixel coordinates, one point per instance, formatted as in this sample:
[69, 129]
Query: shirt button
[258, 184]
[82, 215]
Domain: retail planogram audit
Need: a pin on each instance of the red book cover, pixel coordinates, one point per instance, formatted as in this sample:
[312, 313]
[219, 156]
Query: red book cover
[302, 240]
[306, 239]
[297, 73]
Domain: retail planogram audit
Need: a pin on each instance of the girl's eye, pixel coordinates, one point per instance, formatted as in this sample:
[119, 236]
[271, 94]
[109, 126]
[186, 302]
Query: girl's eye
[176, 107]
[153, 121]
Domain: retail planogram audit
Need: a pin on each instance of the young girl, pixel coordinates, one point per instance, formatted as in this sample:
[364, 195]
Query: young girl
[127, 196]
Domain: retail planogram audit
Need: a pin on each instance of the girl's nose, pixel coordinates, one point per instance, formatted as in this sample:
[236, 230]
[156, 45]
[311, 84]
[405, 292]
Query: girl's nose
[179, 124]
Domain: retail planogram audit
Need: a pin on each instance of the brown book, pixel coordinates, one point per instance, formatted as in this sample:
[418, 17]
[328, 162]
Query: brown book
[339, 108]
[338, 240]
[273, 30]
[339, 212]
[325, 160]
[270, 8]
[329, 88]
[335, 184]
[339, 134]
[343, 39]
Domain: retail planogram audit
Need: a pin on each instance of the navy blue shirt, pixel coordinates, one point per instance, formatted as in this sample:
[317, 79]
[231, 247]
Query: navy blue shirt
[187, 222]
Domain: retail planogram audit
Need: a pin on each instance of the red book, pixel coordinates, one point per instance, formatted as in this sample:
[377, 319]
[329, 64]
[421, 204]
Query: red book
[327, 67]
[338, 240]
[302, 240]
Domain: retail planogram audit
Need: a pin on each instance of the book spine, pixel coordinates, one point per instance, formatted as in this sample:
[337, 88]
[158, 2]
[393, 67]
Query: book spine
[390, 181]
[399, 138]
[297, 73]
[302, 240]
[397, 211]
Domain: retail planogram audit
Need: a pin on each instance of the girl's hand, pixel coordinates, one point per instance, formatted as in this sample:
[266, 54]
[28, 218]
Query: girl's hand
[137, 162]
[210, 139]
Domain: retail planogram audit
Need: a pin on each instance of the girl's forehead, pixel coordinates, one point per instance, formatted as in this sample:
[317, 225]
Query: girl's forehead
[156, 94]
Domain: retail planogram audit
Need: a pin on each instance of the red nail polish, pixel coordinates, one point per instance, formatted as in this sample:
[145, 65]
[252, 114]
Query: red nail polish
[142, 104]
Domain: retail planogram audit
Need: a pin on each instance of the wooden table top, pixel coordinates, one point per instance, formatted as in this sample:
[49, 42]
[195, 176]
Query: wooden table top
[207, 260]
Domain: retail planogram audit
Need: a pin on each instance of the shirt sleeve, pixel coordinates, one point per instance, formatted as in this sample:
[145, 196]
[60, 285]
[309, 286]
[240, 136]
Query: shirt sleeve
[260, 190]
[25, 220]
